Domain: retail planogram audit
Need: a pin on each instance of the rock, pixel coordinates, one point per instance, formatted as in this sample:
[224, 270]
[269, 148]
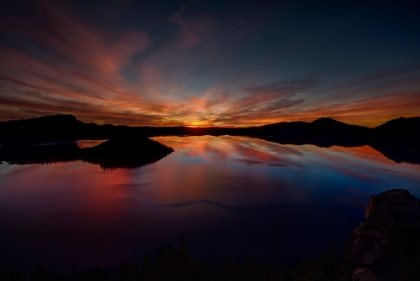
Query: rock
[365, 230]
[393, 209]
[375, 256]
[359, 273]
[373, 276]
[388, 244]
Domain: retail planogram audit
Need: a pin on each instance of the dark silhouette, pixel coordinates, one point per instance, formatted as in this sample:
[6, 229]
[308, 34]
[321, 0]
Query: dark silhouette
[388, 244]
[46, 129]
[40, 154]
[398, 139]
[125, 151]
[323, 132]
[176, 263]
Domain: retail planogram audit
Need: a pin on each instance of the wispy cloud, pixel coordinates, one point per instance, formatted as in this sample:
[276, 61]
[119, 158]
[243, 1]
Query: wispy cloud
[188, 70]
[376, 76]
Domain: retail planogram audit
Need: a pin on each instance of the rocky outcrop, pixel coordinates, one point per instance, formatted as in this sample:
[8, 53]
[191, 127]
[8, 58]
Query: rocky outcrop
[388, 244]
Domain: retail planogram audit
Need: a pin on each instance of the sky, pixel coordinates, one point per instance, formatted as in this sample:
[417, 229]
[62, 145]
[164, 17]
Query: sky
[210, 63]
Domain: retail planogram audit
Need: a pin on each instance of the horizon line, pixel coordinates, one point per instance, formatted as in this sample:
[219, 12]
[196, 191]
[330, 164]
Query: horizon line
[205, 127]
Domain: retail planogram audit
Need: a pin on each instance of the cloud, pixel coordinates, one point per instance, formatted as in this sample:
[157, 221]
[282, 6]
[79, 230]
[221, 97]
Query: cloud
[76, 42]
[259, 104]
[368, 110]
[256, 105]
[375, 76]
[192, 30]
[78, 69]
[188, 70]
[282, 88]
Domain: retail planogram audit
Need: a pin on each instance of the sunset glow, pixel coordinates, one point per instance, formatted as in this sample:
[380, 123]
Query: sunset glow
[186, 64]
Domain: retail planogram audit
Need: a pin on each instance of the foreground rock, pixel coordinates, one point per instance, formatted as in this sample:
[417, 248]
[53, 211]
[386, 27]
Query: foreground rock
[388, 244]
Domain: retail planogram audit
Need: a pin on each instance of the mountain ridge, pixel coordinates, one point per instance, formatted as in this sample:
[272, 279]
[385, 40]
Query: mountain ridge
[398, 139]
[315, 121]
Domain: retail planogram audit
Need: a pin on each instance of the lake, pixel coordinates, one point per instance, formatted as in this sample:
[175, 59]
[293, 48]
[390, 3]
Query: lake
[232, 197]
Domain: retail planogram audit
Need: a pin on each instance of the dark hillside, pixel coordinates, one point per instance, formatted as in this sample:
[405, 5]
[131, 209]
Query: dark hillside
[397, 139]
[42, 129]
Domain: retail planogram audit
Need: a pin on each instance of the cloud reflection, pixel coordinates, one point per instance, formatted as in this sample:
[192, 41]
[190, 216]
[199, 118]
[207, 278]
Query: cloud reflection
[248, 151]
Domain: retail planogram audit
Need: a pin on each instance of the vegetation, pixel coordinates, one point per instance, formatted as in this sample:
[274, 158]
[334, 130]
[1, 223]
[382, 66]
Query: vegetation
[171, 263]
[124, 151]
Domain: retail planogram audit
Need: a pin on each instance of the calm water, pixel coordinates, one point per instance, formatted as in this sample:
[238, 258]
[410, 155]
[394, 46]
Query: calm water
[231, 196]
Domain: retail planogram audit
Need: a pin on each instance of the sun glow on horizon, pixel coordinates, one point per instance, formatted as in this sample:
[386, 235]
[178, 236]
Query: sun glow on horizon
[199, 124]
[60, 60]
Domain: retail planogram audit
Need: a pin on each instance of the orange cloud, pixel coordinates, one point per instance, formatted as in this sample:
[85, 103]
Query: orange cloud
[70, 65]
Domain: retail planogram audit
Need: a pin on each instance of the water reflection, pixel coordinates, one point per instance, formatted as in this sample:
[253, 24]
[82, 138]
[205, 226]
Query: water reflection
[335, 166]
[88, 143]
[231, 196]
